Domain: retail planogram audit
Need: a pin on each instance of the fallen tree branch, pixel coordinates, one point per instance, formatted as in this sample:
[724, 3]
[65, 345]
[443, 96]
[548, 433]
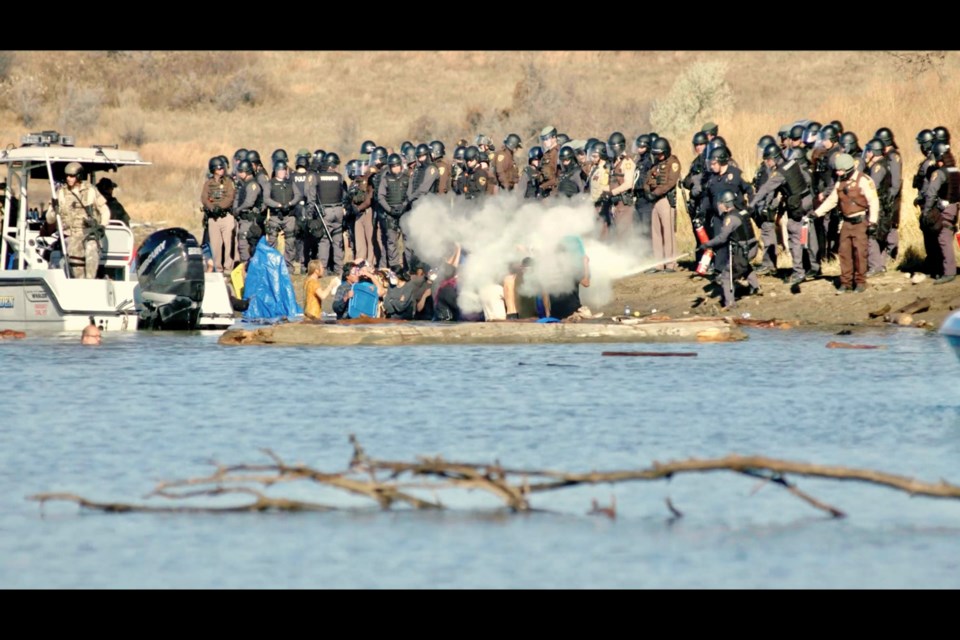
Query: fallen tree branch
[512, 486]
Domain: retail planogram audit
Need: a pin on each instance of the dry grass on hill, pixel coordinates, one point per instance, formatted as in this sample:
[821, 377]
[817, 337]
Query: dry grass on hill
[180, 108]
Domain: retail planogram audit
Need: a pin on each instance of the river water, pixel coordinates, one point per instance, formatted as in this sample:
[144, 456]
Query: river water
[109, 422]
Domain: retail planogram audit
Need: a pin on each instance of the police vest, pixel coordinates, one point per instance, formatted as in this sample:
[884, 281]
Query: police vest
[794, 188]
[300, 182]
[476, 183]
[950, 189]
[442, 183]
[567, 185]
[396, 188]
[533, 183]
[330, 189]
[883, 187]
[744, 234]
[282, 191]
[893, 158]
[374, 180]
[244, 186]
[852, 198]
[419, 173]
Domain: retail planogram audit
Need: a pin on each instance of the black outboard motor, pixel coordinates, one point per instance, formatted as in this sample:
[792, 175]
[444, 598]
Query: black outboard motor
[170, 271]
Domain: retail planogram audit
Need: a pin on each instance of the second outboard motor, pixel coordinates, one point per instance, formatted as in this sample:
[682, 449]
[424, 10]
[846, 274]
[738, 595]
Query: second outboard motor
[170, 272]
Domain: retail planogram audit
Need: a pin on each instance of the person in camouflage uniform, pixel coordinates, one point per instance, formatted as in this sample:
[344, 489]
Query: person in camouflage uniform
[82, 211]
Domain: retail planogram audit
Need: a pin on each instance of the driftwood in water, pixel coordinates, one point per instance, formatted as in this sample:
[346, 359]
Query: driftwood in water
[376, 332]
[917, 306]
[763, 324]
[390, 482]
[847, 345]
[882, 311]
[652, 354]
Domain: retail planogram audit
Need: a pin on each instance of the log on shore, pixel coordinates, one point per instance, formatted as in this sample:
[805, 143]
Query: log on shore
[411, 333]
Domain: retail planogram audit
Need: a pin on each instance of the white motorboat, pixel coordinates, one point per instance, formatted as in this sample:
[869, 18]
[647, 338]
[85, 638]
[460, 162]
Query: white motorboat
[951, 330]
[36, 290]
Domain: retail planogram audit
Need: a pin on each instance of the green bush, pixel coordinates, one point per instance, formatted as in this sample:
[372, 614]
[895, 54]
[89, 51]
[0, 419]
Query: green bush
[701, 93]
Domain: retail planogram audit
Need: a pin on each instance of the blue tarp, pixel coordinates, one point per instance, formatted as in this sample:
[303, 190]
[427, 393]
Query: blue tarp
[268, 286]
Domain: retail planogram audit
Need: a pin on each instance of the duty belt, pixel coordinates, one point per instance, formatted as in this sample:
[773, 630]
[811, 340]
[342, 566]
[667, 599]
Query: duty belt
[857, 219]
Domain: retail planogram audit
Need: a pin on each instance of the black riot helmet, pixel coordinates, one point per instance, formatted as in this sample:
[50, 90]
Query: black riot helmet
[394, 160]
[849, 142]
[875, 147]
[458, 153]
[940, 150]
[728, 198]
[319, 153]
[925, 139]
[720, 154]
[661, 148]
[599, 147]
[885, 136]
[224, 160]
[811, 131]
[215, 163]
[367, 147]
[352, 168]
[471, 153]
[244, 166]
[836, 124]
[302, 161]
[653, 136]
[253, 157]
[279, 165]
[643, 141]
[796, 132]
[277, 155]
[410, 155]
[942, 134]
[772, 151]
[239, 154]
[512, 142]
[566, 153]
[589, 146]
[330, 160]
[562, 139]
[535, 153]
[378, 156]
[718, 141]
[617, 143]
[764, 141]
[406, 144]
[437, 149]
[699, 138]
[829, 132]
[423, 149]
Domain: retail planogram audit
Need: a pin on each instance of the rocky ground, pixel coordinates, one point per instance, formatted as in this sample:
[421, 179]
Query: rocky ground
[813, 303]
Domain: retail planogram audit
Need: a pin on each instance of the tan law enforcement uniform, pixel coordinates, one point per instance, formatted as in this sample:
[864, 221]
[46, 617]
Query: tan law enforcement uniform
[661, 183]
[82, 211]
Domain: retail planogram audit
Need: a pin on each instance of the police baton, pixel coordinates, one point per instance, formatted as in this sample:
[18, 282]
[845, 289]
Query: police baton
[319, 207]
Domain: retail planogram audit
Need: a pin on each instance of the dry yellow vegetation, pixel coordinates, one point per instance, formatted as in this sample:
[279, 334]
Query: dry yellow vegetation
[180, 108]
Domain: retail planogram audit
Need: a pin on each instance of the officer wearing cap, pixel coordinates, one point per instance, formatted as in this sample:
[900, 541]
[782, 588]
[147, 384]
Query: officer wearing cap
[83, 211]
[216, 199]
[506, 167]
[736, 246]
[711, 130]
[859, 207]
[550, 162]
[106, 186]
[939, 213]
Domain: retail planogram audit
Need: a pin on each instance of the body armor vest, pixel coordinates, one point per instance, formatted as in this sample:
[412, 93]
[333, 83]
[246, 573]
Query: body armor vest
[282, 191]
[330, 188]
[567, 186]
[397, 188]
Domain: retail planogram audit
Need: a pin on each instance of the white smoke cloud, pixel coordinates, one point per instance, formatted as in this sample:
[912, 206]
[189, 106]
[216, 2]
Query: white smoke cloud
[503, 229]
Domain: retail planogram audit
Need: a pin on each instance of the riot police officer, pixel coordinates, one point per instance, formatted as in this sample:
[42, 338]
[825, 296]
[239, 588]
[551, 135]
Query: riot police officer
[623, 175]
[457, 171]
[425, 175]
[925, 140]
[506, 168]
[549, 161]
[660, 190]
[437, 151]
[736, 246]
[305, 188]
[476, 180]
[531, 176]
[569, 180]
[876, 167]
[821, 160]
[895, 165]
[723, 177]
[331, 193]
[247, 206]
[281, 202]
[939, 212]
[392, 196]
[599, 185]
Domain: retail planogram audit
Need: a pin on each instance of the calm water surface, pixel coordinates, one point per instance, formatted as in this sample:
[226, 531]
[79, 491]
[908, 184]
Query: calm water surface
[109, 422]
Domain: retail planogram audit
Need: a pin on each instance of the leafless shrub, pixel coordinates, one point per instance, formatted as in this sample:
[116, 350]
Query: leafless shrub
[80, 109]
[349, 130]
[25, 98]
[917, 63]
[190, 91]
[701, 92]
[244, 88]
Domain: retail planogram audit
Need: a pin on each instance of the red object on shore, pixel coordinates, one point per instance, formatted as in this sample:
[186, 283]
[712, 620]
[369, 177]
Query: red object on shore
[957, 236]
[804, 231]
[704, 263]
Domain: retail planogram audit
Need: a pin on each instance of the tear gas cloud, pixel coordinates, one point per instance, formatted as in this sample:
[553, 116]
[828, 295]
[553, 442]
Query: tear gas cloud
[501, 230]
